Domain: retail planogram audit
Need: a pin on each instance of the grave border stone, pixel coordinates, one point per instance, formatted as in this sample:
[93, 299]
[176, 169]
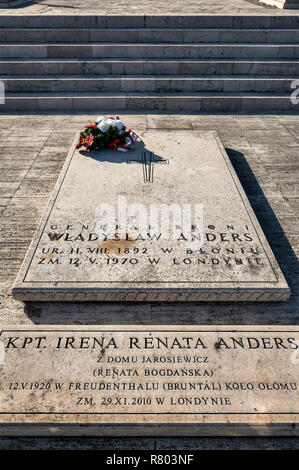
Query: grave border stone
[231, 423]
[43, 291]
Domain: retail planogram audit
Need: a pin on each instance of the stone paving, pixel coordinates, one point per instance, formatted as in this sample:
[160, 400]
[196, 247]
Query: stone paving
[127, 7]
[264, 150]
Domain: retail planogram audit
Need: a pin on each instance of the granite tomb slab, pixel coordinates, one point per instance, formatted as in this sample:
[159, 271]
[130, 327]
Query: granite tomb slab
[180, 229]
[149, 380]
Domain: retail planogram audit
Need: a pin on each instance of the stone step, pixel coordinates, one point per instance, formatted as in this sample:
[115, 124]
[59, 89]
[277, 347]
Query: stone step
[179, 36]
[150, 21]
[113, 50]
[149, 67]
[204, 102]
[137, 83]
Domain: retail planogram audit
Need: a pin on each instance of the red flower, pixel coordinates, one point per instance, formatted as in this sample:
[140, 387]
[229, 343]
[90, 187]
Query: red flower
[79, 143]
[89, 140]
[90, 125]
[114, 144]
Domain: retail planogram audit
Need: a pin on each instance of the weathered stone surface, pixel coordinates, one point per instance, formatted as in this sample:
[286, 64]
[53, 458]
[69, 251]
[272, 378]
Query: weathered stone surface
[149, 8]
[170, 380]
[255, 165]
[221, 255]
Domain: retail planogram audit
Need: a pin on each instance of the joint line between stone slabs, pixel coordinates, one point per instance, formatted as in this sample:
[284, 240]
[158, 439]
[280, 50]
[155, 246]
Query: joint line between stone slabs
[141, 331]
[141, 413]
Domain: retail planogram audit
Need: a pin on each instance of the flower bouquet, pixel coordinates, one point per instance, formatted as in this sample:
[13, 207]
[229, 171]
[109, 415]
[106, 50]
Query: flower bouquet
[107, 133]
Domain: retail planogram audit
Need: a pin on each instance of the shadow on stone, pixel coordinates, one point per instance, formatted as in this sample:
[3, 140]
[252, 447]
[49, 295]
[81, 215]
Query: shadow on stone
[275, 235]
[29, 3]
[112, 156]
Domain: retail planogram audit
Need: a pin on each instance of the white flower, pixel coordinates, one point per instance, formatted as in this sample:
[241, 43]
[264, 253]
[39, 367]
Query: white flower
[119, 124]
[104, 123]
[103, 126]
[100, 118]
[111, 122]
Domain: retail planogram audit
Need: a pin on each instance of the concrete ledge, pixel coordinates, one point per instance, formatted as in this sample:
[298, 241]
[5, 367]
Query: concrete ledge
[207, 102]
[149, 51]
[149, 430]
[150, 21]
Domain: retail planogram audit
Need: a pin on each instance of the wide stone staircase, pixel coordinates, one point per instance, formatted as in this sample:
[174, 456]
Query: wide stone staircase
[172, 63]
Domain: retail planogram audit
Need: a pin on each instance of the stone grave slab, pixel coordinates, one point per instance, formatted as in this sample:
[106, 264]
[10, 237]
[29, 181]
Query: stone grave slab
[168, 221]
[154, 380]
